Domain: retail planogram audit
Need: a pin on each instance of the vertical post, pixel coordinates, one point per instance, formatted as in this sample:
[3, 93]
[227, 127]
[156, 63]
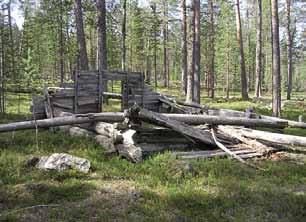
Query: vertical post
[142, 89]
[100, 86]
[76, 87]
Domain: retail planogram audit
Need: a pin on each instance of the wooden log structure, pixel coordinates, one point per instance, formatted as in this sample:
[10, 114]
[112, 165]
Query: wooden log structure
[144, 115]
[266, 137]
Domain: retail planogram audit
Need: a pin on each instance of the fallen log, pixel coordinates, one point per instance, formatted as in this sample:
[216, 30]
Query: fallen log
[242, 153]
[62, 121]
[225, 149]
[235, 113]
[137, 113]
[128, 149]
[112, 117]
[267, 137]
[233, 121]
[292, 124]
[108, 130]
[112, 95]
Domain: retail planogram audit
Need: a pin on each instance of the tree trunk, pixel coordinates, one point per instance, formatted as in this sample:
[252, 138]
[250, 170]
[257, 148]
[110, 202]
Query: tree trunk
[258, 82]
[276, 107]
[155, 44]
[244, 85]
[102, 48]
[211, 68]
[184, 47]
[102, 51]
[123, 46]
[289, 49]
[165, 45]
[83, 59]
[190, 76]
[228, 62]
[61, 42]
[197, 51]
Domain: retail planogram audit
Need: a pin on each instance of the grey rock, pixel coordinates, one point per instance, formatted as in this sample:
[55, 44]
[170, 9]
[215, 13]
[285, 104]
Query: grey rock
[62, 161]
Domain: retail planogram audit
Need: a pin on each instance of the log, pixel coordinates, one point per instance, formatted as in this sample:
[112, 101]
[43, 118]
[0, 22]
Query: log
[112, 95]
[108, 130]
[128, 149]
[242, 153]
[137, 113]
[62, 121]
[233, 121]
[235, 113]
[252, 143]
[161, 147]
[292, 124]
[112, 117]
[267, 137]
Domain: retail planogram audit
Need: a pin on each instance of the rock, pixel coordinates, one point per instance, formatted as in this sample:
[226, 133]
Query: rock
[107, 143]
[62, 161]
[32, 162]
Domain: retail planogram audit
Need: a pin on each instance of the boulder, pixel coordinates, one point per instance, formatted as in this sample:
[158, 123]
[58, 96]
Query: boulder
[62, 161]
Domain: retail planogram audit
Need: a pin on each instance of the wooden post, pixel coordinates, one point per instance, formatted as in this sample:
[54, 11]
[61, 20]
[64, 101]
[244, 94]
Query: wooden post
[100, 102]
[75, 102]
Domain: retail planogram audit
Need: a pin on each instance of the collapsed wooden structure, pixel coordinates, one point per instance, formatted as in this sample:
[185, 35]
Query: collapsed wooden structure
[150, 122]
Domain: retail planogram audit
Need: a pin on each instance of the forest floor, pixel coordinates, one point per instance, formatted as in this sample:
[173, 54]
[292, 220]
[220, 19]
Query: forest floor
[158, 189]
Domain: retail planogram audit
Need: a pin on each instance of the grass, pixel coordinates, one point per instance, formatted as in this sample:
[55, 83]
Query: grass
[158, 189]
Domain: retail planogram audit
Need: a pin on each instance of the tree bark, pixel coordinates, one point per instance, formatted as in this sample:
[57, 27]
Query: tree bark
[165, 45]
[123, 45]
[258, 83]
[276, 106]
[270, 138]
[289, 49]
[184, 47]
[211, 69]
[190, 76]
[80, 35]
[244, 84]
[102, 51]
[197, 51]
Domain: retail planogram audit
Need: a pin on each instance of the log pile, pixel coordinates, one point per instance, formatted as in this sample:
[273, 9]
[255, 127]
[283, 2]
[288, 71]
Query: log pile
[138, 133]
[191, 131]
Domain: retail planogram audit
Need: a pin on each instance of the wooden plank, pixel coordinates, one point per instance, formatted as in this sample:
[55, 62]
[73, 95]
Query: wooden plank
[244, 154]
[75, 104]
[100, 91]
[180, 127]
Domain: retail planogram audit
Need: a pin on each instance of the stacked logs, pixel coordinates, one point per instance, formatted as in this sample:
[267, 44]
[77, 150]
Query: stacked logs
[139, 132]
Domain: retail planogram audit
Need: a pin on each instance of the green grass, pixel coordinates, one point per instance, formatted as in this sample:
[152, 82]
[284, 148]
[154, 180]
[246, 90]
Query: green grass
[158, 189]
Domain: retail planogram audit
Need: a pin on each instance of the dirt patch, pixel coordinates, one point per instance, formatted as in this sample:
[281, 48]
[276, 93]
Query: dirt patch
[111, 201]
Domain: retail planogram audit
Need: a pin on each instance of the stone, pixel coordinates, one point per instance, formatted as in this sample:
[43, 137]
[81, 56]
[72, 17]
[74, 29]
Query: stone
[62, 161]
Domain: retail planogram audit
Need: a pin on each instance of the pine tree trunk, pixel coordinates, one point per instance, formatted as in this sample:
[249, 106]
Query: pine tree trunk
[61, 43]
[165, 45]
[276, 107]
[190, 76]
[102, 51]
[211, 68]
[244, 85]
[83, 59]
[123, 45]
[197, 51]
[228, 65]
[289, 50]
[184, 47]
[258, 82]
[155, 44]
